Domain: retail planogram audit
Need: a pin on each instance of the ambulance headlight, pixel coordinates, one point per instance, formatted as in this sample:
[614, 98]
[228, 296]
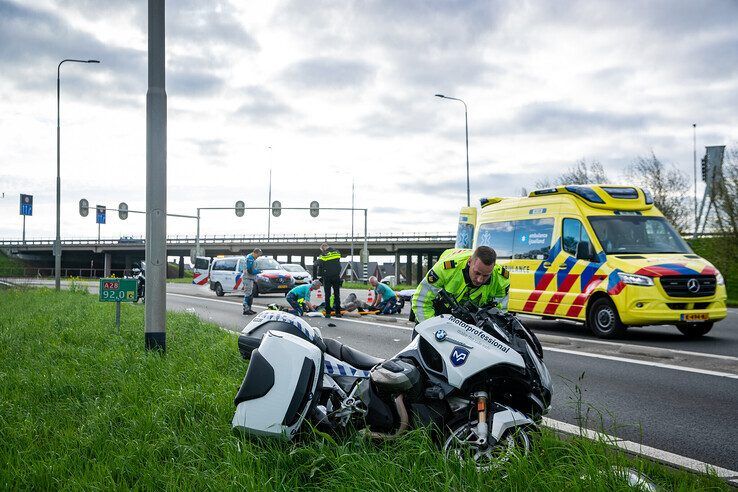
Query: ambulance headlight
[719, 278]
[633, 279]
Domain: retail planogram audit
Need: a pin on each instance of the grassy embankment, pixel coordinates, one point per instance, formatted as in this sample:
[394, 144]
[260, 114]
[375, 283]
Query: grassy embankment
[82, 407]
[10, 267]
[724, 255]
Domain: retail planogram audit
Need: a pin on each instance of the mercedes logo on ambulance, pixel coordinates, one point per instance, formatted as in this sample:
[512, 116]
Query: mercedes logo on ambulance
[693, 285]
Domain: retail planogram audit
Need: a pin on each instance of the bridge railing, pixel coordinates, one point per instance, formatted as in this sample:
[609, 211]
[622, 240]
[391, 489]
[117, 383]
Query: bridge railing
[224, 239]
[34, 272]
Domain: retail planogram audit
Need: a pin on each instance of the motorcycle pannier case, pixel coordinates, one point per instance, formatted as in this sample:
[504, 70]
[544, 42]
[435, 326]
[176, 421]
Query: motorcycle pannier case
[279, 386]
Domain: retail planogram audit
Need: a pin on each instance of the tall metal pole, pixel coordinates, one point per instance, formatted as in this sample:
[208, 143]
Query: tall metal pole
[352, 224]
[269, 212]
[24, 229]
[156, 183]
[57, 242]
[197, 236]
[366, 250]
[466, 124]
[694, 162]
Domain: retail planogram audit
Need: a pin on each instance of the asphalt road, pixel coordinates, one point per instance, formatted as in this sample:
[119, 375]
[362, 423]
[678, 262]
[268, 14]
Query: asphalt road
[685, 413]
[689, 414]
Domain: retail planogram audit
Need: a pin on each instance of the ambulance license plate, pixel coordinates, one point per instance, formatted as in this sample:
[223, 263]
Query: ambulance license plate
[695, 317]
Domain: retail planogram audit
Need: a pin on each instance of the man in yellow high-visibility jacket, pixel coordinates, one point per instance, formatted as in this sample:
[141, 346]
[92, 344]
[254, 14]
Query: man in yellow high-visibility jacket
[467, 276]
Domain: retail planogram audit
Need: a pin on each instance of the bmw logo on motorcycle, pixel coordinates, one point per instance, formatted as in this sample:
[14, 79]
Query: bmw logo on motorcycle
[441, 335]
[458, 355]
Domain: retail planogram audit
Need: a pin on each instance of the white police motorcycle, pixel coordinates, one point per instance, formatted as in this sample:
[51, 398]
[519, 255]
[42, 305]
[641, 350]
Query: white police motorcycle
[475, 374]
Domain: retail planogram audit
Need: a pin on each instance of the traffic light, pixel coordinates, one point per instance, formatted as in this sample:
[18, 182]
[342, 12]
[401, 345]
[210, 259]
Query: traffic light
[704, 169]
[314, 208]
[276, 208]
[240, 208]
[84, 207]
[122, 210]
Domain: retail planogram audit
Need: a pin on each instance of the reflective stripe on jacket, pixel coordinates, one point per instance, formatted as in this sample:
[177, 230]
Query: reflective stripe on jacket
[329, 264]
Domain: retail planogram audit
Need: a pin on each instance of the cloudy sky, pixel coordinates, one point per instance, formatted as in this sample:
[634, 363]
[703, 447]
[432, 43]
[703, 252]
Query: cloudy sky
[324, 93]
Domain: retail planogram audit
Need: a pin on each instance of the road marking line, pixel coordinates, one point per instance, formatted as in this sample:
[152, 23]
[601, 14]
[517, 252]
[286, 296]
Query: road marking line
[685, 352]
[645, 363]
[641, 449]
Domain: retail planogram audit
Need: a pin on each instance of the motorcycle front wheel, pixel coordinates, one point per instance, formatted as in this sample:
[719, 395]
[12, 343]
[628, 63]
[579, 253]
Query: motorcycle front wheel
[462, 444]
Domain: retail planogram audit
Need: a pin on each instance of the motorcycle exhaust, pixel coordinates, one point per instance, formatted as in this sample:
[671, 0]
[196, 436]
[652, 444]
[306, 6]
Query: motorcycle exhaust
[404, 421]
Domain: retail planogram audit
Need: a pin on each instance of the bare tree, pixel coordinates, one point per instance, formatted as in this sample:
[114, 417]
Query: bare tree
[582, 172]
[668, 185]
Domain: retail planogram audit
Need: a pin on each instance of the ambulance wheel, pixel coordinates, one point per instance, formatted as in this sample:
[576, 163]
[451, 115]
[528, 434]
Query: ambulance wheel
[603, 319]
[219, 290]
[695, 330]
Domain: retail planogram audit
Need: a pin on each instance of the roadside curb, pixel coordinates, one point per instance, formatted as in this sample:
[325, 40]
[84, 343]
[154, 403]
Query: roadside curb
[659, 353]
[643, 451]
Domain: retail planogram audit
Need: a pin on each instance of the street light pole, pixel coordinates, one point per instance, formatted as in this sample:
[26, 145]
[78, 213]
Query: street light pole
[694, 163]
[269, 212]
[466, 125]
[57, 243]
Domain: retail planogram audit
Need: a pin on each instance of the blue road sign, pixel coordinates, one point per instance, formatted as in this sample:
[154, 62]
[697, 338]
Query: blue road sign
[100, 219]
[26, 204]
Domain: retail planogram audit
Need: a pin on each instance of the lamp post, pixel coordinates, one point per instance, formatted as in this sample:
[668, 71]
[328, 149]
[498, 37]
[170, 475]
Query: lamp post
[57, 243]
[466, 123]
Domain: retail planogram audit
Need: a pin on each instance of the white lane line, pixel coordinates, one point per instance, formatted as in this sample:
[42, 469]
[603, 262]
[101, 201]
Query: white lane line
[645, 363]
[641, 449]
[677, 351]
[552, 349]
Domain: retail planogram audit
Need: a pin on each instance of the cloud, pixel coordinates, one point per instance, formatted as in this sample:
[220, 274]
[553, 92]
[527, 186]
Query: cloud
[323, 73]
[395, 116]
[261, 106]
[561, 118]
[33, 42]
[211, 148]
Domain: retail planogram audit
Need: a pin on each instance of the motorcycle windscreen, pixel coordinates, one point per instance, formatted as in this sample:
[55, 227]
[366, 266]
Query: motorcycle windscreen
[279, 386]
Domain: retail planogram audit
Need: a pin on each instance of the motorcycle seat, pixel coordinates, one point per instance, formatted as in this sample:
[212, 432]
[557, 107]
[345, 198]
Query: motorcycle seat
[356, 358]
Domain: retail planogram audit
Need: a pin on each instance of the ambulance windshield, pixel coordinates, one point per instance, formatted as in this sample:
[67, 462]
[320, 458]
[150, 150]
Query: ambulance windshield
[628, 234]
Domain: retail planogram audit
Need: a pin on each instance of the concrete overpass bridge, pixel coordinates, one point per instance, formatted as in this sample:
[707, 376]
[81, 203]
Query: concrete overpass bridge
[93, 257]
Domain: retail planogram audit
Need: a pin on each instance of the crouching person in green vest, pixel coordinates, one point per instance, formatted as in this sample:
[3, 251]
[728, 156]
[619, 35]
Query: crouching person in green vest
[466, 275]
[299, 297]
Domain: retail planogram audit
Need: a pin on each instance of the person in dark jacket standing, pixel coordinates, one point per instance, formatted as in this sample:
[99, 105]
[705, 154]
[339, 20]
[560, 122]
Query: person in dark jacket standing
[329, 267]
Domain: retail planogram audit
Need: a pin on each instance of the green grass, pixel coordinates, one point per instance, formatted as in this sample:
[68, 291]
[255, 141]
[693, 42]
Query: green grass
[82, 407]
[10, 267]
[185, 280]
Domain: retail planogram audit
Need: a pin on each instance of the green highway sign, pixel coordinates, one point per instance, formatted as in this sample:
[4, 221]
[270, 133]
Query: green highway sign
[118, 289]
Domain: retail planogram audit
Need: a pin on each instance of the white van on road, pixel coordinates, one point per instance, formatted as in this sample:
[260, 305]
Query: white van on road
[226, 274]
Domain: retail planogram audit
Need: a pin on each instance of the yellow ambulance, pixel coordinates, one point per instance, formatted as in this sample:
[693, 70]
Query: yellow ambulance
[601, 254]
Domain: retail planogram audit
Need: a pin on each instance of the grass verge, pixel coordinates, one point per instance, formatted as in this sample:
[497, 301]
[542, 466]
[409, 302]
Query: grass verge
[82, 407]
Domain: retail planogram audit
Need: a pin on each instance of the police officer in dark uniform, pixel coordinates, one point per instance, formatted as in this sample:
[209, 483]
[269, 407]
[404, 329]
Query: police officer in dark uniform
[329, 267]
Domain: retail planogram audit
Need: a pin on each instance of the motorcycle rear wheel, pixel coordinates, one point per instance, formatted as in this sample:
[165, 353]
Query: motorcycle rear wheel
[460, 445]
